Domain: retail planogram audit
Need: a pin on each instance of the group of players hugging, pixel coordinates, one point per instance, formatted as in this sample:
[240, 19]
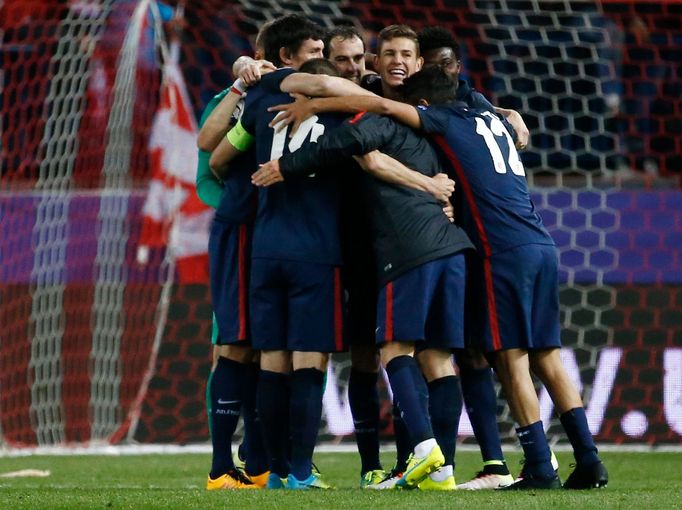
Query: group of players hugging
[388, 209]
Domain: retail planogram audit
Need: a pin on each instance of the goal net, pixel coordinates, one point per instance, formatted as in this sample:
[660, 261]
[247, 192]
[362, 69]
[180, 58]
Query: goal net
[104, 303]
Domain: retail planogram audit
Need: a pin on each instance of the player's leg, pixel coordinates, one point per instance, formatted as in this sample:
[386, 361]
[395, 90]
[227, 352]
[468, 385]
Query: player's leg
[269, 330]
[254, 453]
[546, 364]
[314, 329]
[444, 292]
[480, 399]
[229, 276]
[445, 409]
[363, 394]
[589, 471]
[513, 370]
[363, 397]
[401, 320]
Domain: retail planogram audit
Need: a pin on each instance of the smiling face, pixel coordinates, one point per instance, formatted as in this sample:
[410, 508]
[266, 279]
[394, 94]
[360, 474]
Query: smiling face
[348, 56]
[398, 58]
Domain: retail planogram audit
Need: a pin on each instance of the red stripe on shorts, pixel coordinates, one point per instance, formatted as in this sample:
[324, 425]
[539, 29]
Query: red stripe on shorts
[389, 312]
[492, 306]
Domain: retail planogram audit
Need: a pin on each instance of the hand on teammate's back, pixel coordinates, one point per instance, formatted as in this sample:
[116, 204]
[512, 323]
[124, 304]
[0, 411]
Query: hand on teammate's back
[267, 174]
[292, 113]
[252, 72]
[442, 187]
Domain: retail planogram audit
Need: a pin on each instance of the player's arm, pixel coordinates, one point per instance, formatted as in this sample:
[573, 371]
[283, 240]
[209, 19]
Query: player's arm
[388, 169]
[237, 140]
[321, 85]
[209, 187]
[518, 125]
[298, 111]
[218, 122]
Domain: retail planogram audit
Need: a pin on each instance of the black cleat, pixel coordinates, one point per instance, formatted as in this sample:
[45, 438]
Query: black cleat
[592, 476]
[529, 482]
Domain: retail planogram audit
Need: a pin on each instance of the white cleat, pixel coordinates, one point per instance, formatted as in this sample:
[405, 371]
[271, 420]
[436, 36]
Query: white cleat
[486, 481]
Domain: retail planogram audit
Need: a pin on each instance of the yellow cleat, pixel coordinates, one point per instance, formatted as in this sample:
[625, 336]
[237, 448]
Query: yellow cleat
[372, 478]
[429, 484]
[259, 480]
[419, 468]
[231, 480]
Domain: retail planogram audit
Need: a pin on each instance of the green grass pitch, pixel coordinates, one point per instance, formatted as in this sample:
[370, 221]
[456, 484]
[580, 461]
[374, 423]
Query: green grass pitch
[638, 481]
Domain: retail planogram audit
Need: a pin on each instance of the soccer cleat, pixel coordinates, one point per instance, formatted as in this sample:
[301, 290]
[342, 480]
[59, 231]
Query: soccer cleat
[312, 482]
[373, 477]
[552, 459]
[419, 468]
[275, 482]
[529, 482]
[486, 481]
[429, 484]
[388, 482]
[233, 479]
[592, 476]
[260, 480]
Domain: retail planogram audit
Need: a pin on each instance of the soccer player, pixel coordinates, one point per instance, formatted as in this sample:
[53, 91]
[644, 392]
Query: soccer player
[420, 268]
[295, 285]
[439, 48]
[515, 271]
[233, 379]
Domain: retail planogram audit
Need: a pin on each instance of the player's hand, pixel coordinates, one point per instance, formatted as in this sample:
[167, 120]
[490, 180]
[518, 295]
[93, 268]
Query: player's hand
[442, 187]
[449, 211]
[514, 118]
[292, 113]
[252, 72]
[268, 174]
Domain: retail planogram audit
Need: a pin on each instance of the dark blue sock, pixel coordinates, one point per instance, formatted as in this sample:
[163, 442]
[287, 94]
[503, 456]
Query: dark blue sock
[403, 444]
[410, 391]
[272, 403]
[363, 398]
[226, 404]
[305, 416]
[578, 432]
[255, 454]
[480, 399]
[445, 408]
[536, 450]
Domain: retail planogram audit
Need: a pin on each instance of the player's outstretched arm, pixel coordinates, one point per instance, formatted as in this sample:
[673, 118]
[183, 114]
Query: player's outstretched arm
[295, 113]
[321, 85]
[514, 118]
[391, 170]
[217, 123]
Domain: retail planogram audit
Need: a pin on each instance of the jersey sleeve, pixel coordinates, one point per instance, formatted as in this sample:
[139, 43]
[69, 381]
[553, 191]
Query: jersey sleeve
[209, 188]
[272, 81]
[433, 119]
[362, 134]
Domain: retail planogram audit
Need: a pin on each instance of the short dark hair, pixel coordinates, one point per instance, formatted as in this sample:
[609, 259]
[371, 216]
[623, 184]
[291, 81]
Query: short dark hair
[319, 66]
[432, 84]
[289, 32]
[343, 32]
[394, 31]
[435, 37]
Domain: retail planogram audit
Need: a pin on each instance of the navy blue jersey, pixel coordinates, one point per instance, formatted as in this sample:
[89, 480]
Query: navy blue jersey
[297, 221]
[497, 211]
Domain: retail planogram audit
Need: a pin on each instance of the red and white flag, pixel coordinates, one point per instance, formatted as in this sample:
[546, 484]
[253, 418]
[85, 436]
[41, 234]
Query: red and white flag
[173, 215]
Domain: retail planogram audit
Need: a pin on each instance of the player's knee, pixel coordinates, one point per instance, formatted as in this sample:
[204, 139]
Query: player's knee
[391, 350]
[435, 364]
[238, 353]
[276, 361]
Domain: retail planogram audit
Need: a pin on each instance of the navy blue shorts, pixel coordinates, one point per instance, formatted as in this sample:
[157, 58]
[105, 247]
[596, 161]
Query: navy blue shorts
[513, 299]
[296, 306]
[229, 249]
[425, 304]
